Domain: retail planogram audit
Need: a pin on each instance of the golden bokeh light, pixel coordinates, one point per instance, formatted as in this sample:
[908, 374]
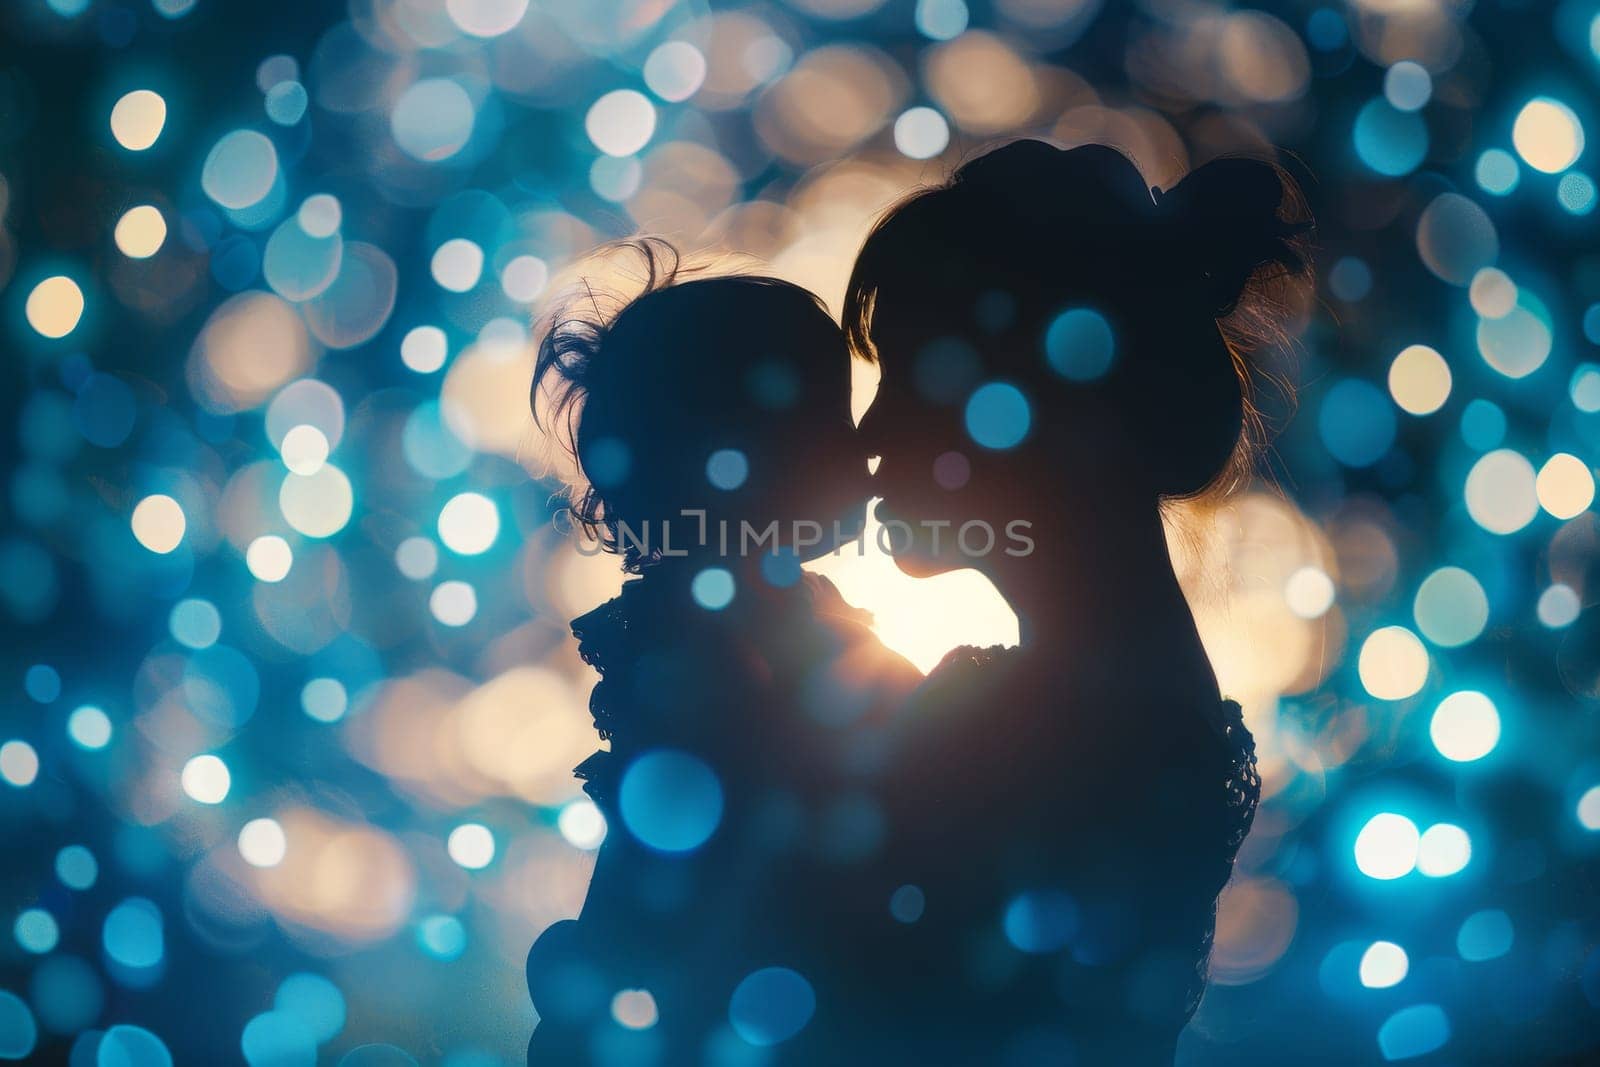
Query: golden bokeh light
[55, 306]
[141, 232]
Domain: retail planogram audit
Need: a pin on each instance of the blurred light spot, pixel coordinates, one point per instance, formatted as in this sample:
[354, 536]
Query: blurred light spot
[1350, 279]
[1309, 592]
[1393, 664]
[1390, 141]
[727, 468]
[298, 265]
[582, 824]
[671, 801]
[195, 623]
[1386, 847]
[36, 931]
[453, 603]
[130, 1046]
[471, 845]
[1500, 492]
[1565, 486]
[1485, 935]
[263, 843]
[66, 9]
[1584, 389]
[42, 683]
[304, 449]
[1443, 850]
[424, 349]
[240, 169]
[76, 867]
[315, 1001]
[89, 727]
[276, 1039]
[1576, 193]
[524, 278]
[137, 119]
[907, 904]
[1408, 86]
[469, 524]
[1079, 345]
[1497, 172]
[1414, 1031]
[357, 303]
[1455, 238]
[269, 558]
[1465, 726]
[615, 179]
[941, 20]
[713, 588]
[317, 505]
[1451, 607]
[173, 9]
[1558, 606]
[486, 18]
[286, 103]
[320, 215]
[416, 558]
[67, 994]
[141, 231]
[998, 416]
[54, 306]
[1419, 380]
[444, 937]
[1356, 423]
[132, 934]
[1384, 964]
[206, 779]
[675, 70]
[921, 133]
[324, 699]
[18, 1032]
[158, 523]
[1547, 135]
[433, 120]
[1483, 425]
[1589, 809]
[457, 265]
[634, 1009]
[952, 470]
[621, 122]
[1041, 921]
[771, 1005]
[1493, 293]
[19, 763]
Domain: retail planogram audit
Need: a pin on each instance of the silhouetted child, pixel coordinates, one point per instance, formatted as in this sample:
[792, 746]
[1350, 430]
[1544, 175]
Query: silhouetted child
[711, 421]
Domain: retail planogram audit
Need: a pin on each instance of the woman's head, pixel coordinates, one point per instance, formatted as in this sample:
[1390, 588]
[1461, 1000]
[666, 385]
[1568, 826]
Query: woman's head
[728, 395]
[1046, 314]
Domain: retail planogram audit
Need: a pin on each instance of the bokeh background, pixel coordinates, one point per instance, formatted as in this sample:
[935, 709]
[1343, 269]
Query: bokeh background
[287, 701]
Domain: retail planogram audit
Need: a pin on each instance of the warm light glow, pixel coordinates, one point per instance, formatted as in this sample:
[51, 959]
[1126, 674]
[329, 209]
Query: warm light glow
[922, 619]
[1565, 486]
[1419, 380]
[1548, 135]
[141, 232]
[158, 523]
[137, 119]
[55, 306]
[1393, 663]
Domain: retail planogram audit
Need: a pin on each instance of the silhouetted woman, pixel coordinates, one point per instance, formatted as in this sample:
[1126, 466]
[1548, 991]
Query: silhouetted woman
[1062, 347]
[709, 417]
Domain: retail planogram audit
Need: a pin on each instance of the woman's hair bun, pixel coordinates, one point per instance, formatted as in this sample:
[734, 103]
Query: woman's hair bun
[1234, 217]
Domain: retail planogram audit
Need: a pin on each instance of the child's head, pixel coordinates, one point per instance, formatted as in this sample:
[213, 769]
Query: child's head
[728, 395]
